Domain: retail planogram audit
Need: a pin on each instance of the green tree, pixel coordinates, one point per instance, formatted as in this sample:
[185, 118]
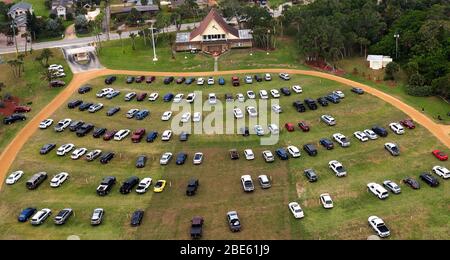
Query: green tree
[391, 70]
[46, 54]
[133, 41]
[119, 32]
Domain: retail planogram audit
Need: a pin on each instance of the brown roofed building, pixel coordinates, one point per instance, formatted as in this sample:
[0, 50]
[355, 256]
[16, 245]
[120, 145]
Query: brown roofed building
[213, 36]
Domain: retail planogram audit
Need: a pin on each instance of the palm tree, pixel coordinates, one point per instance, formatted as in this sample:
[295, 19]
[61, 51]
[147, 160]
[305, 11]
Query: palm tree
[21, 59]
[119, 32]
[133, 41]
[14, 65]
[46, 54]
[25, 35]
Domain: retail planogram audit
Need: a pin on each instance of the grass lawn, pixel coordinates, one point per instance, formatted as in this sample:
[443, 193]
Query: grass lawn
[264, 213]
[112, 57]
[39, 7]
[433, 106]
[29, 88]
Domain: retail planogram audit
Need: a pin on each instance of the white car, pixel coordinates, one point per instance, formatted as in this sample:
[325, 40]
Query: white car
[59, 74]
[339, 93]
[185, 117]
[63, 124]
[284, 76]
[268, 156]
[329, 120]
[129, 96]
[252, 111]
[165, 158]
[190, 97]
[240, 97]
[337, 168]
[371, 134]
[119, 136]
[296, 210]
[341, 139]
[277, 109]
[55, 67]
[104, 92]
[59, 179]
[293, 151]
[198, 158]
[397, 128]
[251, 94]
[238, 113]
[267, 77]
[14, 177]
[377, 190]
[46, 123]
[197, 117]
[247, 183]
[178, 98]
[264, 181]
[361, 136]
[92, 155]
[297, 89]
[248, 79]
[326, 200]
[263, 94]
[78, 153]
[441, 171]
[212, 98]
[132, 112]
[392, 149]
[153, 96]
[64, 149]
[210, 81]
[200, 81]
[259, 130]
[40, 216]
[166, 116]
[143, 185]
[273, 129]
[378, 226]
[392, 186]
[96, 107]
[275, 93]
[166, 135]
[249, 155]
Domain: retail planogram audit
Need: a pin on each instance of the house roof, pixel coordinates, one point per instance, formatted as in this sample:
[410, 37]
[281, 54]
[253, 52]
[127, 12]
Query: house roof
[377, 57]
[140, 8]
[21, 5]
[62, 2]
[213, 15]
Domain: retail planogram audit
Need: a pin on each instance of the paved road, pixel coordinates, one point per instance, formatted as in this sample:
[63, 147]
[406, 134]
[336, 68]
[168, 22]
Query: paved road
[442, 132]
[86, 40]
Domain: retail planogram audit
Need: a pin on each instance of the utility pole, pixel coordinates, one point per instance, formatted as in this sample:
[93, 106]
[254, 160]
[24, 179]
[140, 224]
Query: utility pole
[153, 43]
[13, 26]
[396, 36]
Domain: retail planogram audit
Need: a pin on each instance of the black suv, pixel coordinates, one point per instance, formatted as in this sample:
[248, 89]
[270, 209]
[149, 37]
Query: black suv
[380, 131]
[310, 149]
[128, 185]
[197, 227]
[47, 148]
[84, 89]
[99, 132]
[327, 143]
[152, 136]
[75, 125]
[299, 106]
[137, 217]
[311, 103]
[141, 161]
[112, 111]
[110, 80]
[13, 118]
[85, 106]
[74, 103]
[192, 187]
[285, 91]
[106, 158]
[168, 80]
[311, 175]
[106, 185]
[84, 129]
[429, 179]
[63, 216]
[322, 101]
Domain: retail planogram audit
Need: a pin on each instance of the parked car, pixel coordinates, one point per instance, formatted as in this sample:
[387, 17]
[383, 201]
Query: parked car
[378, 226]
[197, 117]
[109, 135]
[57, 83]
[99, 132]
[341, 139]
[285, 91]
[392, 186]
[190, 97]
[339, 93]
[137, 217]
[167, 134]
[322, 101]
[440, 155]
[181, 158]
[192, 187]
[249, 155]
[229, 97]
[333, 98]
[46, 123]
[267, 77]
[259, 130]
[326, 201]
[200, 81]
[273, 129]
[268, 156]
[252, 111]
[275, 93]
[168, 80]
[311, 103]
[234, 154]
[337, 168]
[168, 97]
[14, 177]
[198, 158]
[378, 190]
[371, 134]
[74, 103]
[59, 179]
[197, 227]
[277, 109]
[62, 217]
[165, 158]
[47, 148]
[409, 123]
[78, 153]
[40, 216]
[238, 113]
[106, 185]
[327, 143]
[113, 94]
[284, 76]
[159, 186]
[289, 127]
[106, 158]
[235, 81]
[85, 106]
[139, 79]
[92, 155]
[97, 216]
[304, 126]
[26, 214]
[141, 161]
[121, 134]
[380, 131]
[264, 181]
[103, 92]
[131, 113]
[210, 81]
[84, 89]
[75, 125]
[129, 184]
[189, 81]
[361, 136]
[14, 118]
[397, 128]
[310, 175]
[247, 183]
[64, 149]
[299, 106]
[143, 185]
[282, 154]
[329, 120]
[152, 135]
[138, 135]
[248, 79]
[441, 171]
[392, 149]
[221, 81]
[153, 96]
[22, 109]
[429, 179]
[293, 151]
[358, 91]
[110, 80]
[212, 98]
[84, 129]
[297, 89]
[411, 183]
[129, 96]
[130, 79]
[251, 94]
[112, 111]
[180, 80]
[233, 221]
[310, 149]
[150, 79]
[141, 96]
[296, 210]
[36, 180]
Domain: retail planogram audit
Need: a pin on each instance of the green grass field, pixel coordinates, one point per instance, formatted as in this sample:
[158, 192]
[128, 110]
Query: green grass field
[39, 7]
[29, 88]
[414, 214]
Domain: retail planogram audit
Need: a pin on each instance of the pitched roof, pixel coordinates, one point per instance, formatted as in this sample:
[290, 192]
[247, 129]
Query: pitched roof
[21, 5]
[214, 15]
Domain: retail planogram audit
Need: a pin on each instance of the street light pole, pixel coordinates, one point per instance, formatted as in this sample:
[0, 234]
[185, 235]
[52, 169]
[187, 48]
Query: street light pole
[396, 36]
[153, 43]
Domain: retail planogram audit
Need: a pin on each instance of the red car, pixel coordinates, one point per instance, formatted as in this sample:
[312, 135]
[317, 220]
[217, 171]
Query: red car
[180, 80]
[408, 123]
[109, 135]
[235, 81]
[22, 109]
[141, 96]
[139, 79]
[137, 135]
[150, 79]
[304, 126]
[440, 155]
[289, 127]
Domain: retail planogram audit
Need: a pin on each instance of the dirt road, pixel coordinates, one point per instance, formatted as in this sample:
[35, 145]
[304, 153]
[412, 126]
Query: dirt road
[442, 132]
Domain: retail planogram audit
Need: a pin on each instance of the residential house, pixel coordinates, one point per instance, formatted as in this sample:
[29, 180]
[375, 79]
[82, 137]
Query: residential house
[18, 13]
[377, 62]
[62, 7]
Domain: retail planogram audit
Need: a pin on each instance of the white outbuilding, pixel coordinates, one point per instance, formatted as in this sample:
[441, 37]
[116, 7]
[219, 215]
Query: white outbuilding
[377, 62]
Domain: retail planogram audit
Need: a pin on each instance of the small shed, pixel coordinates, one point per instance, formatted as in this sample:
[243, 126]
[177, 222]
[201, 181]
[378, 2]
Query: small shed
[377, 62]
[81, 54]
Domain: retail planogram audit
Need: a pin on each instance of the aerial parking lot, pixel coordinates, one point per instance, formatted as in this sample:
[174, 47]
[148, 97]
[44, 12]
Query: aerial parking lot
[219, 187]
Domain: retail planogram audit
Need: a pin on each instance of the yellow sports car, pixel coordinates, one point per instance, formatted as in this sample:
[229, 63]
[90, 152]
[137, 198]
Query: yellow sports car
[159, 186]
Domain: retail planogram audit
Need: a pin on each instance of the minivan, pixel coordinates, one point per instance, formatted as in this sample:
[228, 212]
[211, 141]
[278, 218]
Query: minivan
[128, 185]
[36, 180]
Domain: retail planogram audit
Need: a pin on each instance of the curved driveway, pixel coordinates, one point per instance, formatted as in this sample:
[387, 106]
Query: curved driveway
[442, 132]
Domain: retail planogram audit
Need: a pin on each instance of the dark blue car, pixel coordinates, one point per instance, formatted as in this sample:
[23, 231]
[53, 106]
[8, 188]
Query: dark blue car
[281, 152]
[333, 98]
[152, 136]
[142, 114]
[327, 143]
[168, 97]
[26, 214]
[189, 81]
[181, 158]
[221, 81]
